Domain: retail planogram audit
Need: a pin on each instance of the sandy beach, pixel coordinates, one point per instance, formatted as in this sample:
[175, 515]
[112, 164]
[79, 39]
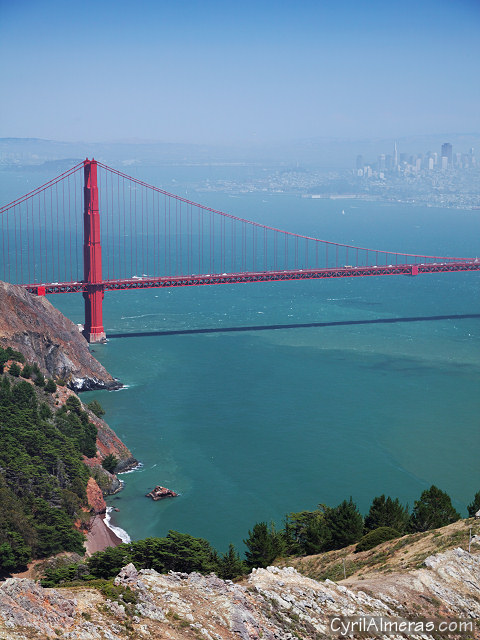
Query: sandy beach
[100, 536]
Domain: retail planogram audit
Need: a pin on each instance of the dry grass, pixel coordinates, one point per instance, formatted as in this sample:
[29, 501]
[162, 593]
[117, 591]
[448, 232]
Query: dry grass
[395, 556]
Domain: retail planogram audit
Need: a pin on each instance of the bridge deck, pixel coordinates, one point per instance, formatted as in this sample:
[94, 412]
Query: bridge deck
[147, 282]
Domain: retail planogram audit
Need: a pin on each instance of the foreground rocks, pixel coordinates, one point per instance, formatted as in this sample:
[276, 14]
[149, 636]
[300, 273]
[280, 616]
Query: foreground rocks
[272, 604]
[30, 324]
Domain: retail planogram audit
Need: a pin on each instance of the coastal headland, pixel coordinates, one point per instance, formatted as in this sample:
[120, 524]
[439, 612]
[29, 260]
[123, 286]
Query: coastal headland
[32, 327]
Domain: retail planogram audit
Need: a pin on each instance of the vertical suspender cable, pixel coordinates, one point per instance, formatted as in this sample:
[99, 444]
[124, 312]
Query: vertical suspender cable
[64, 233]
[28, 241]
[165, 234]
[143, 218]
[57, 275]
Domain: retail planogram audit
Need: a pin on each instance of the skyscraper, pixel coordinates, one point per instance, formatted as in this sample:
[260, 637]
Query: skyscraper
[447, 152]
[395, 156]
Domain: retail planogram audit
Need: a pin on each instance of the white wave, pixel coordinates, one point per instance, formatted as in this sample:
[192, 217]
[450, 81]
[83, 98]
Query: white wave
[121, 533]
[137, 468]
[144, 315]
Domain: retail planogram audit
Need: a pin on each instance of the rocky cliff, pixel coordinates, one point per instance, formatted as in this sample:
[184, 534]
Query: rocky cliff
[272, 604]
[31, 325]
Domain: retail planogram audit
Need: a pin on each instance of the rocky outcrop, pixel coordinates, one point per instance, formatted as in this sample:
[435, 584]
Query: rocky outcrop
[108, 442]
[30, 324]
[272, 604]
[27, 608]
[95, 497]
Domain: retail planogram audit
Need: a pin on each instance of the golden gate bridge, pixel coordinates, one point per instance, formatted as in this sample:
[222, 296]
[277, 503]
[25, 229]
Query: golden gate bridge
[94, 229]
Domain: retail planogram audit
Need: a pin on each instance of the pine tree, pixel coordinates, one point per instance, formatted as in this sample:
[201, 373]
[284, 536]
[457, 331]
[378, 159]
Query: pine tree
[50, 386]
[474, 506]
[385, 512]
[27, 371]
[344, 525]
[96, 408]
[305, 532]
[434, 509]
[230, 565]
[264, 545]
[110, 463]
[14, 370]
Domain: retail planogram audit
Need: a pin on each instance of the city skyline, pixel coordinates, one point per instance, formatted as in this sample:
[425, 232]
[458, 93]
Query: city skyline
[248, 73]
[409, 162]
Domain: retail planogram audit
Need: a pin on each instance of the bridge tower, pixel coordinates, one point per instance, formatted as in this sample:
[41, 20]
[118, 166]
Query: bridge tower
[92, 256]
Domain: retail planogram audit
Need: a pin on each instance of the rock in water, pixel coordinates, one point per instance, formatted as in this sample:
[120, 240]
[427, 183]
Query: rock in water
[30, 324]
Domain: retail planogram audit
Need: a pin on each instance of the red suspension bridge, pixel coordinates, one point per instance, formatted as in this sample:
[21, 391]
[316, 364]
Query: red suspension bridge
[52, 242]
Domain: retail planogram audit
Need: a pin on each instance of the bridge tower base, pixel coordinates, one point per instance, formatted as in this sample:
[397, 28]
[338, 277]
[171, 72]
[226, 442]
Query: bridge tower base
[93, 328]
[92, 257]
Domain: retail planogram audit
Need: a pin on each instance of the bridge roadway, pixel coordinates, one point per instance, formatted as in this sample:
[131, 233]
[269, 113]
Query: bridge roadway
[347, 271]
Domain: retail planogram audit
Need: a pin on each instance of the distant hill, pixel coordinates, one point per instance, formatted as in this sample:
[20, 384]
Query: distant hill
[322, 153]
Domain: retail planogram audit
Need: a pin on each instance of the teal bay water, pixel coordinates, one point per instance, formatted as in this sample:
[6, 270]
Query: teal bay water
[250, 426]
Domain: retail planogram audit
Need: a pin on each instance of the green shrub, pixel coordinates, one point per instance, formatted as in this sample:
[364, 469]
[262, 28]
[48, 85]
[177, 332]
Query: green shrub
[474, 506]
[10, 354]
[96, 408]
[39, 379]
[110, 463]
[14, 370]
[376, 537]
[27, 371]
[50, 386]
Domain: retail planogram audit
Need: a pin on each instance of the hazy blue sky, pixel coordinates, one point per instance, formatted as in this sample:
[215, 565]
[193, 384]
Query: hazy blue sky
[231, 71]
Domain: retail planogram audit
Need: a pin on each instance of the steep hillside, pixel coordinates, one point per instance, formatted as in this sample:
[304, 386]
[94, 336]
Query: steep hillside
[31, 325]
[395, 556]
[272, 604]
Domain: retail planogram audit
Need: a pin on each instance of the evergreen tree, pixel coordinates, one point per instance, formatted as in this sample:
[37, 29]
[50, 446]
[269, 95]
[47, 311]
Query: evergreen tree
[183, 552]
[27, 371]
[385, 512]
[42, 479]
[45, 411]
[305, 532]
[14, 370]
[96, 408]
[344, 525]
[40, 379]
[108, 563]
[110, 463]
[14, 554]
[264, 545]
[474, 506]
[50, 386]
[230, 565]
[434, 509]
[74, 405]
